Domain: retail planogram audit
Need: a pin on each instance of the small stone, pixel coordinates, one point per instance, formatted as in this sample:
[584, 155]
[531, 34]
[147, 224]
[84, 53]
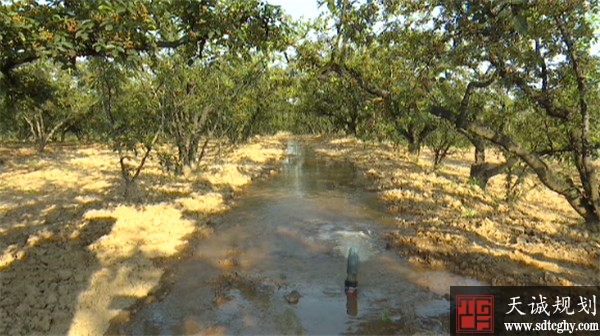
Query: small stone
[122, 317]
[75, 235]
[150, 299]
[293, 297]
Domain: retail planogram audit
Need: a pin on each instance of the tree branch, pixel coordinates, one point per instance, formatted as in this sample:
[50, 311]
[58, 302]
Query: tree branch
[464, 105]
[543, 66]
[543, 99]
[587, 172]
[342, 69]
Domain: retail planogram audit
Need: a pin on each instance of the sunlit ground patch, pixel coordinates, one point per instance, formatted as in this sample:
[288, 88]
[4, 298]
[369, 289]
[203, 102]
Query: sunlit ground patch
[208, 204]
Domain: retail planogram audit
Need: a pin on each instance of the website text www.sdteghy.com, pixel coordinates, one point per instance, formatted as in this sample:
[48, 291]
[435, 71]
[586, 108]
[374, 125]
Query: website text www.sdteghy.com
[558, 327]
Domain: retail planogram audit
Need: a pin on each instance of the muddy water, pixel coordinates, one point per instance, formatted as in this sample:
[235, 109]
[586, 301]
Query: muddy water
[293, 233]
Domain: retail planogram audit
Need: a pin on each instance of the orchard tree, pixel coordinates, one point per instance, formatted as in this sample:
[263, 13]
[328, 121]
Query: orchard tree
[185, 96]
[258, 97]
[131, 117]
[337, 102]
[122, 29]
[43, 100]
[391, 65]
[541, 51]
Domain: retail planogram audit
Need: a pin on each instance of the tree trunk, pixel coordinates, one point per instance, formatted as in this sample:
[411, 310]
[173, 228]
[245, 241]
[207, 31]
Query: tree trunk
[414, 146]
[188, 151]
[41, 144]
[479, 150]
[193, 152]
[578, 200]
[203, 150]
[483, 172]
[478, 173]
[353, 126]
[440, 154]
[130, 190]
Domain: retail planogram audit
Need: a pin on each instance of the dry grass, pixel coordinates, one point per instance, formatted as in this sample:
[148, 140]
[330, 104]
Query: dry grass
[74, 254]
[444, 222]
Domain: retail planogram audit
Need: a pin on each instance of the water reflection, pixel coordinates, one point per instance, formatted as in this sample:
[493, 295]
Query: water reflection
[352, 302]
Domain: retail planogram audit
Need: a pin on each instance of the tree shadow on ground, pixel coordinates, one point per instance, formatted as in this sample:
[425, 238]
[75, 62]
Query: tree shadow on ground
[40, 287]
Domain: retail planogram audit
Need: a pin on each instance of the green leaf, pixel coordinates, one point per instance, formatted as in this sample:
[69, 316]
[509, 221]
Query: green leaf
[83, 36]
[521, 24]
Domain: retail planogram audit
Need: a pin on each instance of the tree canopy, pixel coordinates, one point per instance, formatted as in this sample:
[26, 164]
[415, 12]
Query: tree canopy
[515, 75]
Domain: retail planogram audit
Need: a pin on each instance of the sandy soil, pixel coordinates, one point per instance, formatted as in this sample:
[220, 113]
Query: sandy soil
[443, 222]
[74, 254]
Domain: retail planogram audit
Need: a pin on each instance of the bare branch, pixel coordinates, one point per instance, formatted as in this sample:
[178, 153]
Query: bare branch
[464, 105]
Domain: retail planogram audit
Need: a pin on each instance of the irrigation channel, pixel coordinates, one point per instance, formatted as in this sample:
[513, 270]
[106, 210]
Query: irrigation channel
[293, 233]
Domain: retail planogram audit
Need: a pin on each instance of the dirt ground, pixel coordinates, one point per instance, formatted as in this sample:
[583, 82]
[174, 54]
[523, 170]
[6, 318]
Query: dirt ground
[444, 222]
[74, 254]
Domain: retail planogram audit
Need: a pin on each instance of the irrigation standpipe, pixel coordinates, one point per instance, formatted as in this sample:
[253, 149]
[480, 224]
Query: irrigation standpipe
[351, 283]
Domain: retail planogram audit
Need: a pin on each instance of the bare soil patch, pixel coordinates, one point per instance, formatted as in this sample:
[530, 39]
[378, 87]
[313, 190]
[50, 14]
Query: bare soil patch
[443, 222]
[74, 254]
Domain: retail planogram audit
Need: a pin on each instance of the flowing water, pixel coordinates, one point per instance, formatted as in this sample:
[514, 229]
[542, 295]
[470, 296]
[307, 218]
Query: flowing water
[294, 233]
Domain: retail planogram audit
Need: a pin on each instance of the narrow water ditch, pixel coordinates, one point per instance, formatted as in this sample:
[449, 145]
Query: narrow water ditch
[293, 233]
